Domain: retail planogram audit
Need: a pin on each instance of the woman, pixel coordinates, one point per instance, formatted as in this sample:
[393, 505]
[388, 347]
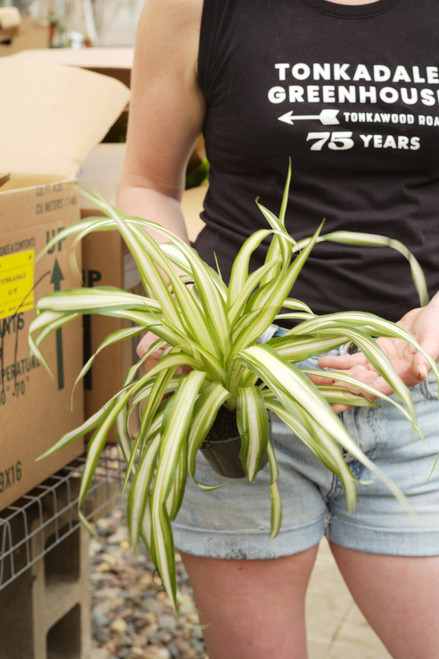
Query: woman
[349, 90]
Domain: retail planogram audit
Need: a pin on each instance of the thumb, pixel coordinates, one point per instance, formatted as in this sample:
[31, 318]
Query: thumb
[420, 365]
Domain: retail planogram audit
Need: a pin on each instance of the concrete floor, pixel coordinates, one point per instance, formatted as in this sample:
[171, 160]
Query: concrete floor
[336, 628]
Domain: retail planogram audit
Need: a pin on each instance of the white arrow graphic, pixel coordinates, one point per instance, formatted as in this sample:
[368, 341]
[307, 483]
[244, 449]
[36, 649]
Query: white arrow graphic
[326, 117]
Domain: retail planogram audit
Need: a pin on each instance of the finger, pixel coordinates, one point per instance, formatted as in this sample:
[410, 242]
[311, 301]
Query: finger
[342, 361]
[338, 408]
[420, 365]
[315, 379]
[143, 344]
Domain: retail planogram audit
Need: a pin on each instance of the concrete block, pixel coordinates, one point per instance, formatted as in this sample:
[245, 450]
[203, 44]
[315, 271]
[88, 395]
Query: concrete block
[46, 611]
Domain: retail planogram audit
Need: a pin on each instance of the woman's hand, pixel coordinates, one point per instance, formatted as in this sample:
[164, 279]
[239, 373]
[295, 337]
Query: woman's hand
[409, 363]
[144, 345]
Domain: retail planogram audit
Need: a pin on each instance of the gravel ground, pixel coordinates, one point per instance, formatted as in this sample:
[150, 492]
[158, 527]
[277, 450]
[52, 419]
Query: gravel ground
[132, 616]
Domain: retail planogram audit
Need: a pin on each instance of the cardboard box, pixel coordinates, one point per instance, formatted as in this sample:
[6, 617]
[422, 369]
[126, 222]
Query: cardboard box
[114, 62]
[106, 261]
[32, 34]
[10, 21]
[51, 117]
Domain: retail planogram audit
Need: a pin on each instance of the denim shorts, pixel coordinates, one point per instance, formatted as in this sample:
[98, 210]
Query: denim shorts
[234, 520]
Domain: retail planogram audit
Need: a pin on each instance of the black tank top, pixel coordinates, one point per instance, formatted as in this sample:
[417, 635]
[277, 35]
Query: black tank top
[351, 94]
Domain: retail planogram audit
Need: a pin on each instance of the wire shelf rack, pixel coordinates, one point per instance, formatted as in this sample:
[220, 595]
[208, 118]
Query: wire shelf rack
[44, 517]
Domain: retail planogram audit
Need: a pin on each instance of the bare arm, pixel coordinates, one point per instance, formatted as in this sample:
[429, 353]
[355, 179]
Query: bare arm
[166, 112]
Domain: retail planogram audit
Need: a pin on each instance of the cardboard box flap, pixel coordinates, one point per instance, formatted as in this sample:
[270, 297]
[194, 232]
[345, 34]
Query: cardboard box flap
[4, 178]
[87, 58]
[51, 116]
[9, 17]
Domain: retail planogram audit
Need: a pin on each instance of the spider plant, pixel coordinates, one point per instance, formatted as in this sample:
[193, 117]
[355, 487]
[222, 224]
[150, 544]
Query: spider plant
[213, 329]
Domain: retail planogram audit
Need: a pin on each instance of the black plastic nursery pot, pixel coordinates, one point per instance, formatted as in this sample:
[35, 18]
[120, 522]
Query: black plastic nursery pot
[222, 446]
[223, 456]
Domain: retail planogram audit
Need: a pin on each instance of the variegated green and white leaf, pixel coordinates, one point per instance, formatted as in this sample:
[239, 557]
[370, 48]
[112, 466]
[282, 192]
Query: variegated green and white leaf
[111, 339]
[382, 364]
[123, 433]
[43, 327]
[327, 452]
[176, 426]
[276, 502]
[240, 269]
[250, 328]
[275, 292]
[350, 381]
[297, 305]
[175, 498]
[303, 347]
[249, 285]
[254, 429]
[139, 491]
[342, 396]
[205, 412]
[162, 548]
[371, 240]
[87, 426]
[281, 244]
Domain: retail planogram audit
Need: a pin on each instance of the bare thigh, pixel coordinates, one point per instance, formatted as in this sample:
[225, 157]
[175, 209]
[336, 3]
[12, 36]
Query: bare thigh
[399, 597]
[252, 609]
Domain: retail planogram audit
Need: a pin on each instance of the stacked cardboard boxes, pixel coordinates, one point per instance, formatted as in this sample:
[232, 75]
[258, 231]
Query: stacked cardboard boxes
[51, 117]
[105, 259]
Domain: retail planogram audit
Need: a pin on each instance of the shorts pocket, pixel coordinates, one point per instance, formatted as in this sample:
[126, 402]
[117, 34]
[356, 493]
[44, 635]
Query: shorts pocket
[430, 387]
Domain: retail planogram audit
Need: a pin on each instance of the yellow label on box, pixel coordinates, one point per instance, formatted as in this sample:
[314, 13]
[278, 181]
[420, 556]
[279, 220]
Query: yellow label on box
[16, 283]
